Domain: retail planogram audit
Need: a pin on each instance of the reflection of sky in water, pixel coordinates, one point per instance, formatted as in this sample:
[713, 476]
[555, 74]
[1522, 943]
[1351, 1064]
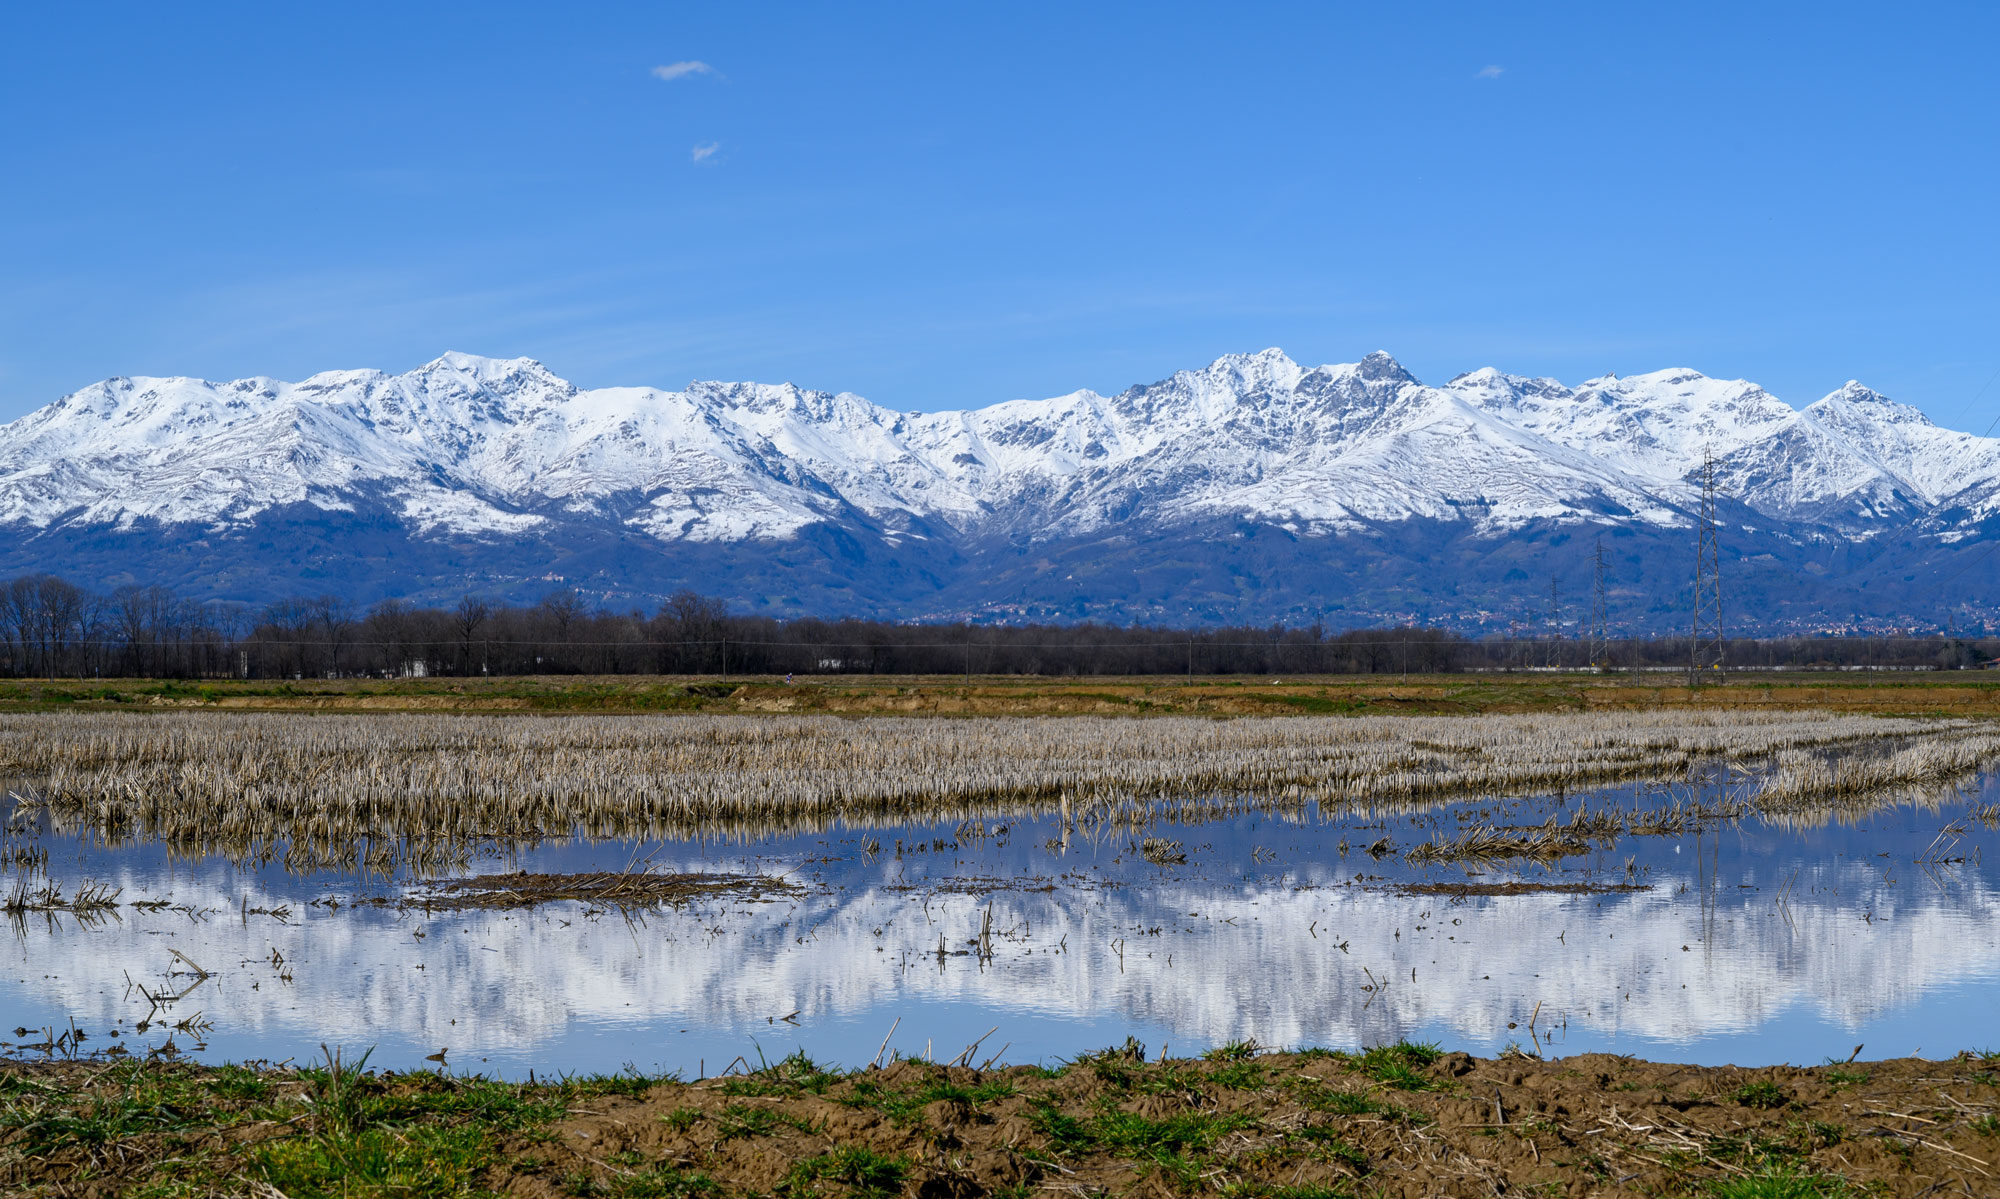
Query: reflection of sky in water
[1267, 932]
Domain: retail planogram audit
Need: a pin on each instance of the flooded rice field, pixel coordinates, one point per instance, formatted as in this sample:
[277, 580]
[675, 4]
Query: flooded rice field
[1743, 909]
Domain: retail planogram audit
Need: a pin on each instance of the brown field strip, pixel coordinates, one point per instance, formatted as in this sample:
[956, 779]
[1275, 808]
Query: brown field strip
[1968, 693]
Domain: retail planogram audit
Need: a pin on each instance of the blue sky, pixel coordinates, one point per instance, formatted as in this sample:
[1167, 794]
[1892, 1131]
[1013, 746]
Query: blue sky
[939, 206]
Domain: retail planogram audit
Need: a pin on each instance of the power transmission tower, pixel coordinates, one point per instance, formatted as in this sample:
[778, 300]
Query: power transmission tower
[1555, 621]
[1600, 620]
[1706, 653]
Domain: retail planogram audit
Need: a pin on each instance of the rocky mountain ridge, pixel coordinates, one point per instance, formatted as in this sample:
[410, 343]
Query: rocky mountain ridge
[502, 453]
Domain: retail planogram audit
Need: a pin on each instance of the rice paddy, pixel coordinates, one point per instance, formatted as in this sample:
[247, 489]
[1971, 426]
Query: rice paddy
[521, 894]
[383, 791]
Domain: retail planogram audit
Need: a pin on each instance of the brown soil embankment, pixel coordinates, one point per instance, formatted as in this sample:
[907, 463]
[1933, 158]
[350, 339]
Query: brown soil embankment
[1397, 1121]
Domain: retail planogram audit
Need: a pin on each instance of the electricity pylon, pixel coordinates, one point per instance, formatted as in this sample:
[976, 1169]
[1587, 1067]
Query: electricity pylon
[1705, 658]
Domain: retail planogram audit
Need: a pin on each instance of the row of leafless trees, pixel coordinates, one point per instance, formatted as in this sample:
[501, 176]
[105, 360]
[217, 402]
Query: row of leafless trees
[52, 628]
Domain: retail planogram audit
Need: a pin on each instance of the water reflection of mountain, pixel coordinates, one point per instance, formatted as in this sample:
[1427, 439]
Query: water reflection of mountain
[1327, 964]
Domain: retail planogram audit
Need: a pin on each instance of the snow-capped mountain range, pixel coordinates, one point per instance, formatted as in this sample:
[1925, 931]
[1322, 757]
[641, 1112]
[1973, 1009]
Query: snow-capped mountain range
[633, 490]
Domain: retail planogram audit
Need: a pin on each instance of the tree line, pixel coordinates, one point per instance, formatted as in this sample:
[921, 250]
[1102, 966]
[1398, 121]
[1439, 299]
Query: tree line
[51, 628]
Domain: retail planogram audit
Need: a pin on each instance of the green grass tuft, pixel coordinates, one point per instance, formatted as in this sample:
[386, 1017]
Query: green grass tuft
[422, 1162]
[864, 1173]
[1783, 1184]
[1322, 1098]
[1764, 1095]
[743, 1120]
[682, 1118]
[1128, 1134]
[795, 1074]
[336, 1087]
[1398, 1065]
[905, 1106]
[663, 1182]
[1330, 1144]
[1234, 1051]
[1240, 1076]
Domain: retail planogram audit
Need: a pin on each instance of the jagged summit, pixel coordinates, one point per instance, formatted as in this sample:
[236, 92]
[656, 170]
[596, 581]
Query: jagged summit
[1379, 367]
[1878, 406]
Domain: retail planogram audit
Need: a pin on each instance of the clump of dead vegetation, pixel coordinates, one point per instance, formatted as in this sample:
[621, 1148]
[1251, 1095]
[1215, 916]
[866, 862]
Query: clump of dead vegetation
[1497, 844]
[418, 790]
[1582, 832]
[89, 898]
[604, 888]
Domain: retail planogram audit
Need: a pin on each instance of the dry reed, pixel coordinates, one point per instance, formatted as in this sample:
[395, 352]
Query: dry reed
[419, 789]
[1808, 777]
[89, 897]
[1488, 844]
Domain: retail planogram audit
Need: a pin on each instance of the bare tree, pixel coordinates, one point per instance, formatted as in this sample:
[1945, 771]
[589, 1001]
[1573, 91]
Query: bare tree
[287, 626]
[333, 625]
[18, 613]
[65, 610]
[390, 626]
[690, 624]
[559, 612]
[141, 617]
[467, 620]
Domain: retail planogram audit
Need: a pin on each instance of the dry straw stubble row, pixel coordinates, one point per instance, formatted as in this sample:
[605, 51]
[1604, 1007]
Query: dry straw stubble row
[338, 790]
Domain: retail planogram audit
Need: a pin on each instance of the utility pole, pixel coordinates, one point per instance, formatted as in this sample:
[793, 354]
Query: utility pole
[1600, 623]
[1555, 621]
[1706, 647]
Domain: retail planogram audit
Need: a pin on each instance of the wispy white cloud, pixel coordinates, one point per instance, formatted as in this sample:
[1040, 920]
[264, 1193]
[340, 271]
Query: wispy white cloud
[1484, 72]
[706, 151]
[681, 70]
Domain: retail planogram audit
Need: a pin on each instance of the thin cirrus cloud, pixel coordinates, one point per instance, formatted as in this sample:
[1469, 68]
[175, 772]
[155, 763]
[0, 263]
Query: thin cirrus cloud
[705, 151]
[1489, 73]
[682, 70]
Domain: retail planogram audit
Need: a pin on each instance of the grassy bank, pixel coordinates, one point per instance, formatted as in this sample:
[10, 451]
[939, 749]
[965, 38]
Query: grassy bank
[1964, 693]
[1403, 1120]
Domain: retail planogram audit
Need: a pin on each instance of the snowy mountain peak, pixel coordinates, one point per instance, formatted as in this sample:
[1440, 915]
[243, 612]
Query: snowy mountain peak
[1878, 407]
[479, 366]
[1268, 368]
[471, 372]
[474, 446]
[1379, 367]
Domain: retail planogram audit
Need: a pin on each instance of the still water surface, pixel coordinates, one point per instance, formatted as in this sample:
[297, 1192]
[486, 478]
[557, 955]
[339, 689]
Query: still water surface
[1748, 943]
